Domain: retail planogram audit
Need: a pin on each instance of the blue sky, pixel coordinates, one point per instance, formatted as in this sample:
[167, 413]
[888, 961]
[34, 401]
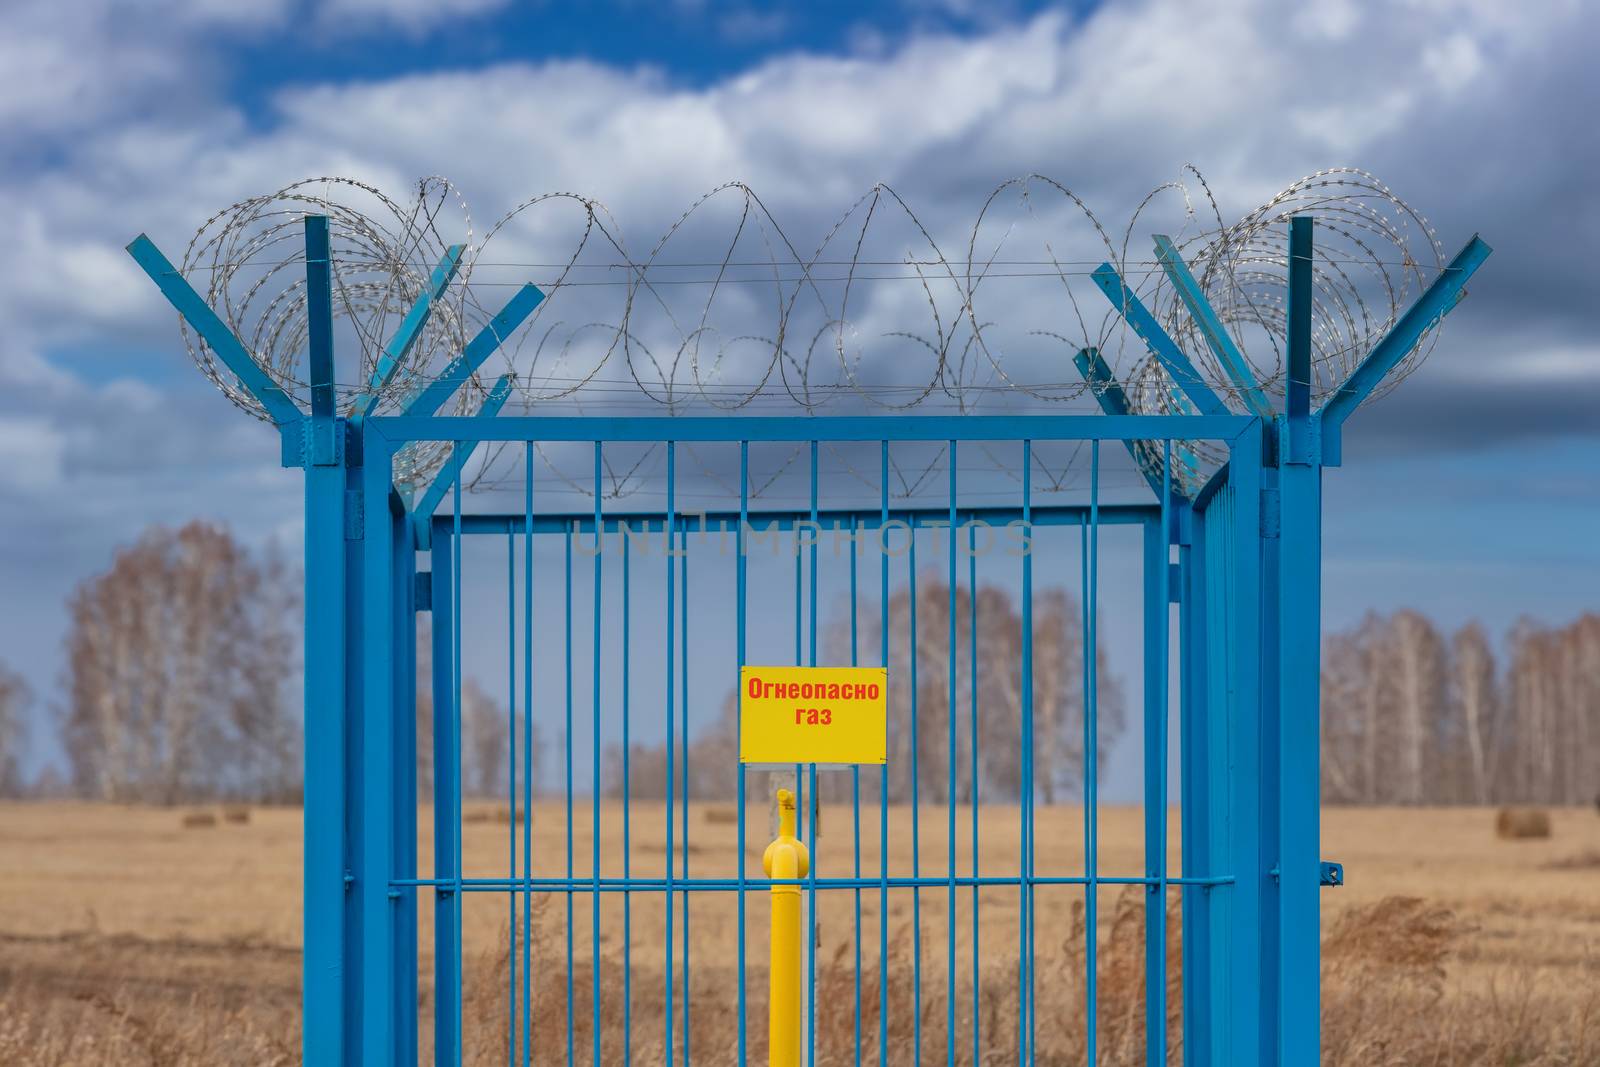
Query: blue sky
[1469, 492]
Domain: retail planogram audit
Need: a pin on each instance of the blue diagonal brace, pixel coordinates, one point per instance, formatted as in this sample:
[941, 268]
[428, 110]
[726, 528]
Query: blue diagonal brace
[213, 331]
[423, 513]
[1435, 302]
[1161, 346]
[458, 370]
[399, 345]
[1108, 391]
[1211, 328]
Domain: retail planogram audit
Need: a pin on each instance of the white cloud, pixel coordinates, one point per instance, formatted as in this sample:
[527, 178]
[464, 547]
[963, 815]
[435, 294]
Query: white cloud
[128, 131]
[412, 16]
[31, 452]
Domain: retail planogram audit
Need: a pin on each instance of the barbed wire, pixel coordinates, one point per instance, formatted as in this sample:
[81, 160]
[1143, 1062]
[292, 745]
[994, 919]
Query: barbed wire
[763, 325]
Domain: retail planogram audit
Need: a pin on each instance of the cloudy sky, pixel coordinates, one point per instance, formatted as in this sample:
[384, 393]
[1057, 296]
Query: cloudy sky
[1469, 492]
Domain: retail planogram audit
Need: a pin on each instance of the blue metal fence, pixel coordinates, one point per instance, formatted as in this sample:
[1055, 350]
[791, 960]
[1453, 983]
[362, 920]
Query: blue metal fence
[1213, 853]
[1235, 564]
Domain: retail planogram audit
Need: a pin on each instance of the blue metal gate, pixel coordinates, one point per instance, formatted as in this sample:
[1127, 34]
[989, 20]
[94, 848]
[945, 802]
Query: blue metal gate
[1235, 564]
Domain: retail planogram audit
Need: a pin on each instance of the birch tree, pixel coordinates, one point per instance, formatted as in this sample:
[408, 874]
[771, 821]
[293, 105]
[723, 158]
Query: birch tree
[180, 659]
[14, 700]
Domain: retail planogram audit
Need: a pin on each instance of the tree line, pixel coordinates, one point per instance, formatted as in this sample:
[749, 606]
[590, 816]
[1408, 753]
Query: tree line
[988, 755]
[1414, 715]
[182, 683]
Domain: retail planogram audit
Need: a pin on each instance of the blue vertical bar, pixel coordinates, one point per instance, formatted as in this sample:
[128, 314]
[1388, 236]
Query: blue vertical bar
[1251, 1039]
[455, 726]
[1024, 786]
[1218, 541]
[816, 799]
[405, 770]
[1025, 1027]
[742, 579]
[883, 771]
[511, 796]
[527, 756]
[379, 904]
[627, 818]
[683, 815]
[1091, 752]
[446, 815]
[916, 825]
[950, 761]
[1298, 638]
[1200, 1029]
[668, 528]
[972, 798]
[329, 974]
[594, 805]
[801, 805]
[855, 789]
[567, 737]
[1156, 589]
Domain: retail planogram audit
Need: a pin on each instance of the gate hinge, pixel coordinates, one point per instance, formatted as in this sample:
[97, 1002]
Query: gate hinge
[422, 596]
[1271, 519]
[355, 526]
[1332, 873]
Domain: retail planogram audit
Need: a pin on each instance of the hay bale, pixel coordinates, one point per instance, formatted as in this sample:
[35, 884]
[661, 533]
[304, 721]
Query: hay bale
[238, 814]
[194, 820]
[1519, 824]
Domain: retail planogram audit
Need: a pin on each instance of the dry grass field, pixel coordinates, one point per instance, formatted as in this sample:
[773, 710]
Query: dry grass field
[127, 937]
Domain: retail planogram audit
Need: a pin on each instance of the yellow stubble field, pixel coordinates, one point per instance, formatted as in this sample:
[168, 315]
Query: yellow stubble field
[125, 934]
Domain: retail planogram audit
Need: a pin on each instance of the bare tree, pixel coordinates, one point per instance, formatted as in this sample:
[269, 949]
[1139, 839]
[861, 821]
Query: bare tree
[1345, 671]
[15, 697]
[1416, 663]
[485, 742]
[1409, 719]
[1475, 700]
[179, 659]
[919, 691]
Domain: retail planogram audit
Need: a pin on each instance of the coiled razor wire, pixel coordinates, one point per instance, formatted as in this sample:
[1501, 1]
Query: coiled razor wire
[725, 313]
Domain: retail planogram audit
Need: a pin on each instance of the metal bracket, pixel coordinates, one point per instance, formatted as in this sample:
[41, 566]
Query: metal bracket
[422, 595]
[1300, 441]
[1332, 873]
[1174, 583]
[319, 443]
[324, 442]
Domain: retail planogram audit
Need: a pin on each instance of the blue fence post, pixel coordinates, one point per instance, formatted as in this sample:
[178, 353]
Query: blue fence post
[1199, 785]
[1299, 667]
[403, 570]
[329, 973]
[1251, 1037]
[1156, 583]
[446, 811]
[374, 830]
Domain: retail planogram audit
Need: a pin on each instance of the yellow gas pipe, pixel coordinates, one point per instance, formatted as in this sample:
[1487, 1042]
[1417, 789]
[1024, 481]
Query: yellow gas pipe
[785, 858]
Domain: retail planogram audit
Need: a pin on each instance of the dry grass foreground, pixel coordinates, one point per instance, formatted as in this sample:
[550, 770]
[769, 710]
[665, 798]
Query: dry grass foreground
[125, 937]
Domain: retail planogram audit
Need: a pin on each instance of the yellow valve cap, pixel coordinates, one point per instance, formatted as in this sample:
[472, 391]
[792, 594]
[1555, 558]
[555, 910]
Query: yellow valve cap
[786, 839]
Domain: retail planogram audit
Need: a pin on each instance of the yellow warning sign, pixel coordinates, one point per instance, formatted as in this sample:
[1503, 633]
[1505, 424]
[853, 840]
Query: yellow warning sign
[813, 715]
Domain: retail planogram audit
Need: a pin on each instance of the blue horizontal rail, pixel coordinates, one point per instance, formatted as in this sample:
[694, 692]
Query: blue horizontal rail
[681, 884]
[653, 429]
[764, 521]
